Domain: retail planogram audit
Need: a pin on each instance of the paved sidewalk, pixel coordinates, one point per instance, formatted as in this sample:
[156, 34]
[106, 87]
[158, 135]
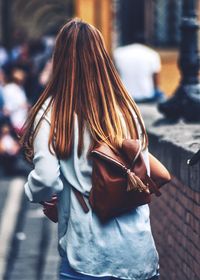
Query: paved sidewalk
[31, 253]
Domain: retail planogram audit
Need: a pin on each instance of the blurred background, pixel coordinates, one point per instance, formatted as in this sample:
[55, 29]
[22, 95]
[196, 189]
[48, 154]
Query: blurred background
[148, 28]
[120, 22]
[27, 35]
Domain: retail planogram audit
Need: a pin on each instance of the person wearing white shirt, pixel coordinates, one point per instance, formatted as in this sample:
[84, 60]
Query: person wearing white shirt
[139, 67]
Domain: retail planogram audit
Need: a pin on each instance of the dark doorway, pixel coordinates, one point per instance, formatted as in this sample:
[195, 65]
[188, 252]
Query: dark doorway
[132, 20]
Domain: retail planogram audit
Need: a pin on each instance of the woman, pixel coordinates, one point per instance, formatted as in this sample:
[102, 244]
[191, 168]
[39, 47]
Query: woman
[85, 103]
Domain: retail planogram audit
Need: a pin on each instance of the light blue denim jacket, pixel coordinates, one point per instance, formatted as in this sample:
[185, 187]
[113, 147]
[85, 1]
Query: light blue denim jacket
[122, 248]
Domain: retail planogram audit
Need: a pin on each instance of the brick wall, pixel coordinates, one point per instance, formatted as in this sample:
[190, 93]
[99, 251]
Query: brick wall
[175, 216]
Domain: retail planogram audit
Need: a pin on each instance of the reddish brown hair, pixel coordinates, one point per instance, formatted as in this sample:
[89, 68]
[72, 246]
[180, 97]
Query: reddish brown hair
[83, 81]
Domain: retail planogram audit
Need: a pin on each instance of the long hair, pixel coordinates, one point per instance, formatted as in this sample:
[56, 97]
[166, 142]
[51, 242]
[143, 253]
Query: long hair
[84, 82]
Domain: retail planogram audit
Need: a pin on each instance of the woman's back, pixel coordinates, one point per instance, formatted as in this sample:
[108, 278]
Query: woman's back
[119, 248]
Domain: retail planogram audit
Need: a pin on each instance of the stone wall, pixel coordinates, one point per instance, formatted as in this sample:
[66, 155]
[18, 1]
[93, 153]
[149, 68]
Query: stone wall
[175, 216]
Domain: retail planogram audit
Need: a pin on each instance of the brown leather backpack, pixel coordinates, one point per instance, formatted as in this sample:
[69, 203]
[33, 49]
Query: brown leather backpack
[120, 181]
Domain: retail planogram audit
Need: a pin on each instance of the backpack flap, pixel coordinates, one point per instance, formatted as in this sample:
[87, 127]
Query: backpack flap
[116, 183]
[120, 181]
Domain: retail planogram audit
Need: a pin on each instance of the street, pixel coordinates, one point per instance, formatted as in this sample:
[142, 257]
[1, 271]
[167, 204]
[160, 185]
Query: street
[28, 241]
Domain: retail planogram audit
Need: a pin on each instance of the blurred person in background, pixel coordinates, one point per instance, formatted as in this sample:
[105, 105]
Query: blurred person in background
[49, 41]
[139, 67]
[19, 38]
[15, 101]
[21, 60]
[9, 148]
[3, 55]
[45, 74]
[2, 82]
[40, 53]
[14, 113]
[25, 62]
[1, 101]
[84, 104]
[31, 56]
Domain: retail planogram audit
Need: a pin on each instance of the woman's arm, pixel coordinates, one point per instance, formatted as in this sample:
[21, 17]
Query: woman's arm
[44, 180]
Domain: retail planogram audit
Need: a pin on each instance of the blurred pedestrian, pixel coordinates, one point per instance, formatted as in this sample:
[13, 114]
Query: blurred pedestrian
[38, 54]
[39, 57]
[1, 104]
[3, 55]
[1, 91]
[11, 97]
[45, 74]
[3, 116]
[9, 148]
[19, 38]
[24, 60]
[84, 104]
[15, 101]
[139, 67]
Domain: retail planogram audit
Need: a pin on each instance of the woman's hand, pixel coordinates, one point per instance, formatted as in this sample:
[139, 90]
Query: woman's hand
[50, 209]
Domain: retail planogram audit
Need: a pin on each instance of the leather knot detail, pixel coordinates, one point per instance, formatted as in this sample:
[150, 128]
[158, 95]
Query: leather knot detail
[135, 183]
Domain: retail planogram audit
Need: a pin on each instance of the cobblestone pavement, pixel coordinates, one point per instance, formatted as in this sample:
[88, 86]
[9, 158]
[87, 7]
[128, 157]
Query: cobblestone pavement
[31, 251]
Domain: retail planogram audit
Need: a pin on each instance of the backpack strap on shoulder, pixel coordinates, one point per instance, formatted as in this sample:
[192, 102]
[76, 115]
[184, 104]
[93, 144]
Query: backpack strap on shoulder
[81, 200]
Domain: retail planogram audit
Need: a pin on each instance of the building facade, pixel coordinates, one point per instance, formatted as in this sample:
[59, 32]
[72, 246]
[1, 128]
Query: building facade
[33, 18]
[157, 21]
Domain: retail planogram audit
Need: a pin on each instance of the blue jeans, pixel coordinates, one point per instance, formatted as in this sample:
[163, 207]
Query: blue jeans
[68, 273]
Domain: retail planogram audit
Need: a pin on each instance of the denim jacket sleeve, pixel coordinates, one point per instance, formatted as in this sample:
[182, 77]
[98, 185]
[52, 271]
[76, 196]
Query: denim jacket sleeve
[44, 180]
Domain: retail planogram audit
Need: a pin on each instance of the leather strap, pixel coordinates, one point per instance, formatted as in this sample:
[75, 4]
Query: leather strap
[153, 187]
[81, 200]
